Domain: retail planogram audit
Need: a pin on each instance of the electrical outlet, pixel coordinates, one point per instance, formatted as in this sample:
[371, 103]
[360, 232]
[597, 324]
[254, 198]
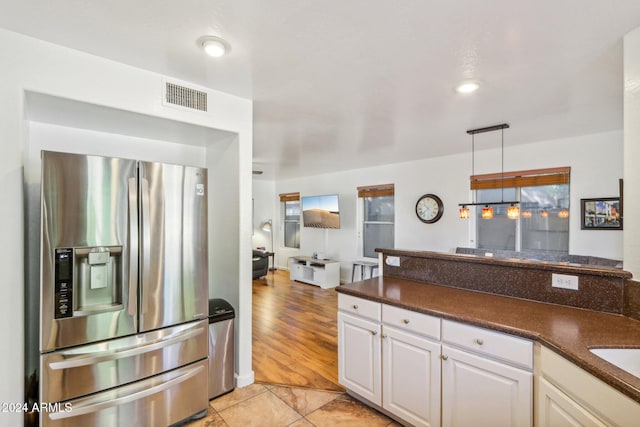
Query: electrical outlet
[564, 281]
[393, 261]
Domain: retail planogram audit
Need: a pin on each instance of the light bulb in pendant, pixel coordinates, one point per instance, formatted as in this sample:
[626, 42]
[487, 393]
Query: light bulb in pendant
[463, 213]
[487, 212]
[513, 212]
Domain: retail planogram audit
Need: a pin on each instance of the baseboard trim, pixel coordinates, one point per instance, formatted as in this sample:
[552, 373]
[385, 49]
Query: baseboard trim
[244, 380]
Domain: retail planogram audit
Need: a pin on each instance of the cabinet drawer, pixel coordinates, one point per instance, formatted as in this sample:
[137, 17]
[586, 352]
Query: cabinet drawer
[359, 306]
[517, 351]
[413, 321]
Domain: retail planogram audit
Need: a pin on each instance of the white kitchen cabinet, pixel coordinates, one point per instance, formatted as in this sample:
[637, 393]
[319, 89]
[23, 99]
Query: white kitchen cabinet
[394, 367]
[478, 391]
[395, 359]
[486, 377]
[411, 377]
[569, 396]
[556, 409]
[359, 356]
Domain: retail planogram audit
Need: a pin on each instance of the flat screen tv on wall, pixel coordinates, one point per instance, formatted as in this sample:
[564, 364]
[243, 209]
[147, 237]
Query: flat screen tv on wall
[321, 211]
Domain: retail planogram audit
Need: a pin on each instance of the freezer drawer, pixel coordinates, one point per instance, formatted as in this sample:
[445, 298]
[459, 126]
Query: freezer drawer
[157, 401]
[75, 372]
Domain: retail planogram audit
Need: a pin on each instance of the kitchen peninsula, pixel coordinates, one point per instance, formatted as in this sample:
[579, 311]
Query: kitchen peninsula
[505, 326]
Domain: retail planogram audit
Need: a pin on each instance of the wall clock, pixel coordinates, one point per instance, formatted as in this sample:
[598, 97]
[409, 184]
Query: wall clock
[429, 208]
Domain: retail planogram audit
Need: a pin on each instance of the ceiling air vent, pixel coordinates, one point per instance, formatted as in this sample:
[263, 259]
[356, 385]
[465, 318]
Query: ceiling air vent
[185, 97]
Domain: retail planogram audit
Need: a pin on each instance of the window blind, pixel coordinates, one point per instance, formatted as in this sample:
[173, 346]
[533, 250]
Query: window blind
[376, 190]
[289, 197]
[526, 178]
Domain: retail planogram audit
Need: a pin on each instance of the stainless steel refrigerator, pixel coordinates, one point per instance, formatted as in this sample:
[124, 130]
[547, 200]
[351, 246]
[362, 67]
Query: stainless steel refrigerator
[124, 293]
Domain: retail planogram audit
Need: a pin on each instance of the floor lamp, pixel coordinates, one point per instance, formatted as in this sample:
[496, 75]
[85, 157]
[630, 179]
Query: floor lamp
[267, 226]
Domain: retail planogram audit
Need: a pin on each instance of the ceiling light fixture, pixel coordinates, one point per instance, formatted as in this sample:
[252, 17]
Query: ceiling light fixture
[513, 211]
[467, 87]
[214, 46]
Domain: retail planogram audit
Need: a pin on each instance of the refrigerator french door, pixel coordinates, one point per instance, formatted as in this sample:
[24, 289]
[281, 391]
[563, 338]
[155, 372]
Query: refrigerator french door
[124, 294]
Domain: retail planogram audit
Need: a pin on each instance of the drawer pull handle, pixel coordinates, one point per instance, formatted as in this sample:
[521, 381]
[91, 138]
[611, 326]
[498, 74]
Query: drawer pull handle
[405, 321]
[355, 306]
[479, 341]
[444, 357]
[374, 332]
[384, 336]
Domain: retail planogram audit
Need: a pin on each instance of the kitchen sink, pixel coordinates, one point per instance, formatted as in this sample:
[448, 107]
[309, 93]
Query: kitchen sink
[627, 359]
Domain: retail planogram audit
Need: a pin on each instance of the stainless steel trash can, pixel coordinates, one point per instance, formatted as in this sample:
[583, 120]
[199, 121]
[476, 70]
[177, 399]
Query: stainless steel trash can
[221, 347]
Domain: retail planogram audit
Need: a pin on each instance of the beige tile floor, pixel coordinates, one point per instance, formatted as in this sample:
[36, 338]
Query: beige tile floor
[279, 406]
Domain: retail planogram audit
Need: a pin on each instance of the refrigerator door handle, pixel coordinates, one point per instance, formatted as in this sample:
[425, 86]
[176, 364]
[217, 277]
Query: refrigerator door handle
[133, 248]
[145, 226]
[100, 406]
[101, 356]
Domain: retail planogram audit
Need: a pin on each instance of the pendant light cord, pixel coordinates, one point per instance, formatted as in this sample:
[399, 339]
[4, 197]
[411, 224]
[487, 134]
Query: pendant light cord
[502, 166]
[473, 166]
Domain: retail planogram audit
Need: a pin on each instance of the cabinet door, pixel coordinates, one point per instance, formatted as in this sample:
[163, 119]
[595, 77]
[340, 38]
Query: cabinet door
[556, 409]
[295, 268]
[411, 377]
[481, 392]
[359, 366]
[319, 276]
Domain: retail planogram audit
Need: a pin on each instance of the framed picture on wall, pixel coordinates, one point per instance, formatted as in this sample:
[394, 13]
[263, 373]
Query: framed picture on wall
[604, 213]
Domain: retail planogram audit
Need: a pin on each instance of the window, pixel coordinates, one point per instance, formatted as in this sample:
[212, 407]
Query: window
[291, 226]
[378, 218]
[543, 223]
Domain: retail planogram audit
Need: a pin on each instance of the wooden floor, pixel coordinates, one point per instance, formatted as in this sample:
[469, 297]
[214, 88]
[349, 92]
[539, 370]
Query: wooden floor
[294, 333]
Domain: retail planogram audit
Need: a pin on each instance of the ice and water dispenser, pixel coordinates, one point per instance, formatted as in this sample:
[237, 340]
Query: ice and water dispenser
[87, 280]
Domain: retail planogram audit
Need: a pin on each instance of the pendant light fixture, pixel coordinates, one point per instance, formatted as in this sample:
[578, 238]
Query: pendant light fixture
[513, 211]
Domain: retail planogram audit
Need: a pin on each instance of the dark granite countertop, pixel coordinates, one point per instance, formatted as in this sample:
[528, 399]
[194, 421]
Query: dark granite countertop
[568, 331]
[560, 267]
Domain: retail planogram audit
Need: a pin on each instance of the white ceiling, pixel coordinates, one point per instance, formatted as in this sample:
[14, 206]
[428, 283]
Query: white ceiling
[347, 84]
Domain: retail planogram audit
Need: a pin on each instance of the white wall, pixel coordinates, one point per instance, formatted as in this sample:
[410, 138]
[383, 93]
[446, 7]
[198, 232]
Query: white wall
[32, 65]
[46, 136]
[230, 240]
[595, 161]
[632, 152]
[265, 206]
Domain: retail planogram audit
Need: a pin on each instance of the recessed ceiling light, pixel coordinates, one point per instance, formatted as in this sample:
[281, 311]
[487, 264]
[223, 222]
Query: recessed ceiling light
[467, 87]
[214, 46]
